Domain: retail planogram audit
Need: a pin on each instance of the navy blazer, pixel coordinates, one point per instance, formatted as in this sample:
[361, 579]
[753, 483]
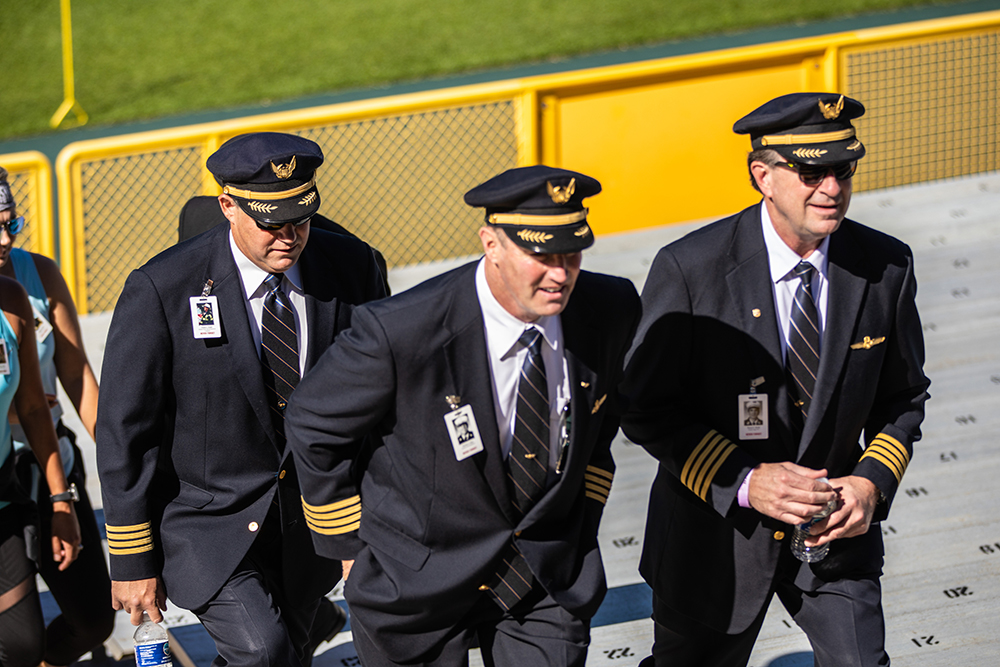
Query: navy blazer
[187, 452]
[709, 328]
[425, 529]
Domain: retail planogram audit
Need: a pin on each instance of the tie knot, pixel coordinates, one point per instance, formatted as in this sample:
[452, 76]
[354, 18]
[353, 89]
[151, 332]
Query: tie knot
[804, 270]
[530, 337]
[273, 281]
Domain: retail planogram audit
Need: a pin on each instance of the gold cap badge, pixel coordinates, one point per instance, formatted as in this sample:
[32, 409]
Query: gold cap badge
[560, 194]
[284, 171]
[831, 111]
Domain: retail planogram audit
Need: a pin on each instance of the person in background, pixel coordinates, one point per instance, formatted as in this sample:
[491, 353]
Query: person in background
[84, 591]
[22, 628]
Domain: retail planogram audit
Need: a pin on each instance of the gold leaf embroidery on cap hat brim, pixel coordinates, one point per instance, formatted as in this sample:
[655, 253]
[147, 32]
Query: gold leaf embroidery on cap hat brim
[532, 236]
[809, 153]
[260, 207]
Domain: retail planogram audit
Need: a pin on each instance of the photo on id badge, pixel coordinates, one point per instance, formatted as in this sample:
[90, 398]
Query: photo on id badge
[752, 416]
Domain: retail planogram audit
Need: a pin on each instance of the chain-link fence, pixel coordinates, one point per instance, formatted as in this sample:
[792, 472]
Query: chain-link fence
[30, 178]
[932, 108]
[396, 168]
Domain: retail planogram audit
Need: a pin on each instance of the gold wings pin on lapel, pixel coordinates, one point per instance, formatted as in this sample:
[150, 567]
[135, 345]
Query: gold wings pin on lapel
[868, 343]
[598, 404]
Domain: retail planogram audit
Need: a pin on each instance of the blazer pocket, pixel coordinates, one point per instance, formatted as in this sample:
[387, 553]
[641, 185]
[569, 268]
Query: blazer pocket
[378, 534]
[192, 496]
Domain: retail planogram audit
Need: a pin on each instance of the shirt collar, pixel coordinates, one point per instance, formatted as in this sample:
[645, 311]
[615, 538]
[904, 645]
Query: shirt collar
[252, 276]
[783, 259]
[503, 329]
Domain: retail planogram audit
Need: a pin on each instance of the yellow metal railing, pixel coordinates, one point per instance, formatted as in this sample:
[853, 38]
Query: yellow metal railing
[30, 176]
[657, 134]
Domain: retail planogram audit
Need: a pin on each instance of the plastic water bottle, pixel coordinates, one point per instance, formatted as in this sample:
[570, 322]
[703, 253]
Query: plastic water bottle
[151, 646]
[800, 549]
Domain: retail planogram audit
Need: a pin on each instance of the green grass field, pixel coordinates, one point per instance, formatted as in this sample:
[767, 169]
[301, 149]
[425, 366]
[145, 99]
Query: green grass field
[140, 59]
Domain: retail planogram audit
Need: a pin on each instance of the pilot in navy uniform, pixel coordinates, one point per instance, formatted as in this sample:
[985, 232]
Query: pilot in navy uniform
[207, 342]
[492, 395]
[792, 306]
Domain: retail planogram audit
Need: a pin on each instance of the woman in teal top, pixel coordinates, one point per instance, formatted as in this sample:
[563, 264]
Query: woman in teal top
[21, 627]
[83, 591]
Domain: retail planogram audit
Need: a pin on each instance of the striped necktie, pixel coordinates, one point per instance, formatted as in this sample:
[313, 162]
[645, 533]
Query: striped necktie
[803, 341]
[279, 350]
[527, 466]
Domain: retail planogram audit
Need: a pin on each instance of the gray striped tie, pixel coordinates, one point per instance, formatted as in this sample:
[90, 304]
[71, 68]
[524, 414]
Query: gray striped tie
[279, 350]
[803, 341]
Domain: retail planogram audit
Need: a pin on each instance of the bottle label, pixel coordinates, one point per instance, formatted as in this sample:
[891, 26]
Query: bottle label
[154, 654]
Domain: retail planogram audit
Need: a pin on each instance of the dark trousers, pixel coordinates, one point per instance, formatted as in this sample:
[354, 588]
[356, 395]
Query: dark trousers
[536, 631]
[842, 620]
[250, 619]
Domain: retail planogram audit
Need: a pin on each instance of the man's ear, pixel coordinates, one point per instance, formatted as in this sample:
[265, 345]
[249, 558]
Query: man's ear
[491, 243]
[762, 174]
[229, 207]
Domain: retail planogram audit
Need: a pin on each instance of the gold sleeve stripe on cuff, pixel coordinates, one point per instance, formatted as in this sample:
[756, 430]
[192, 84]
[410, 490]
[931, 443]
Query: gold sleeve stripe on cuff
[599, 498]
[340, 504]
[881, 458]
[594, 470]
[704, 462]
[333, 515]
[127, 529]
[336, 531]
[598, 481]
[129, 552]
[879, 448]
[331, 523]
[892, 444]
[596, 488]
[131, 536]
[120, 543]
[707, 478]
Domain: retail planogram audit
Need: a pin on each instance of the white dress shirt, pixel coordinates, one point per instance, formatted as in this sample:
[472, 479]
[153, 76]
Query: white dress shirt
[252, 277]
[506, 357]
[783, 261]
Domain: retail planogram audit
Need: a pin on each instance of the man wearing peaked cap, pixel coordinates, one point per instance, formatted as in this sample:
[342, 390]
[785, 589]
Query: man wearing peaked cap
[208, 340]
[492, 390]
[793, 307]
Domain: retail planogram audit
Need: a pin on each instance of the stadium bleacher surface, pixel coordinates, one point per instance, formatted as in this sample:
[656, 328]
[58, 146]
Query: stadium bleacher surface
[942, 575]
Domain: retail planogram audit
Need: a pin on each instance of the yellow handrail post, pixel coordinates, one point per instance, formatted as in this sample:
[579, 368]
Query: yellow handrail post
[69, 102]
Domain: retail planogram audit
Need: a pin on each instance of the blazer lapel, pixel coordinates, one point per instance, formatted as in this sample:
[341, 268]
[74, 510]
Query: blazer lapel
[321, 308]
[749, 282]
[583, 343]
[847, 288]
[468, 365]
[240, 347]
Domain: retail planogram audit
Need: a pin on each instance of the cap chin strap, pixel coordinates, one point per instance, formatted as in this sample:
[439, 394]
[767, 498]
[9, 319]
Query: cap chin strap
[820, 138]
[268, 196]
[528, 220]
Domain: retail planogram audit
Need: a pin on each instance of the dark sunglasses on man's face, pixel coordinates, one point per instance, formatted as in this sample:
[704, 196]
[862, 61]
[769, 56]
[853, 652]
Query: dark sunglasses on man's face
[275, 226]
[813, 174]
[14, 225]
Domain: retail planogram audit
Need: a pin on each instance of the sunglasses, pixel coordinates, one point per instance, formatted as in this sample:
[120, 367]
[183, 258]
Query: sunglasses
[14, 225]
[813, 174]
[275, 226]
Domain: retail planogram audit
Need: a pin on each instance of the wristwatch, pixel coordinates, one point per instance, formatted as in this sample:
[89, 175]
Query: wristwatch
[66, 496]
